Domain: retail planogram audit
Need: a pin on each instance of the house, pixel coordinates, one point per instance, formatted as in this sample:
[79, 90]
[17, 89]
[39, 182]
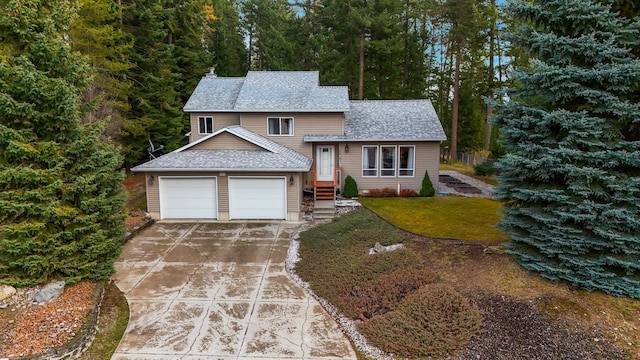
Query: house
[258, 143]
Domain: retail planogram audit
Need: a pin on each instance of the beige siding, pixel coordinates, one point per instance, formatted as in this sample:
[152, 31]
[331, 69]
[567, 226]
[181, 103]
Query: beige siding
[219, 121]
[427, 157]
[225, 141]
[294, 192]
[303, 124]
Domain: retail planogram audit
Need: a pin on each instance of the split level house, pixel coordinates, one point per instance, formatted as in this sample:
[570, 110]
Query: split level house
[259, 143]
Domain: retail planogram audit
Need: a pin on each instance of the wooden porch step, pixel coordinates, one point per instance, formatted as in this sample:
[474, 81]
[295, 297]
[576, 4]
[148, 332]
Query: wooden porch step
[325, 193]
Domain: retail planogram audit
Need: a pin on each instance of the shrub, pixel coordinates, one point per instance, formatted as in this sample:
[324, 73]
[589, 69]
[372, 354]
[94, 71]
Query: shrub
[427, 187]
[408, 193]
[380, 193]
[434, 321]
[383, 294]
[350, 187]
[484, 169]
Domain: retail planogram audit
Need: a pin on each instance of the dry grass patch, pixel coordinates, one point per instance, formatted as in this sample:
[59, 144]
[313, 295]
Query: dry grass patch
[452, 217]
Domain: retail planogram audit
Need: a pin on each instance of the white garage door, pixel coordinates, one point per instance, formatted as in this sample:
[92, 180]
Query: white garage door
[188, 198]
[257, 198]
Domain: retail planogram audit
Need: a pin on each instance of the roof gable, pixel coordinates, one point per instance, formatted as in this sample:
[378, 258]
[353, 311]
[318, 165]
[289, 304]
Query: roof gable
[259, 91]
[271, 156]
[393, 120]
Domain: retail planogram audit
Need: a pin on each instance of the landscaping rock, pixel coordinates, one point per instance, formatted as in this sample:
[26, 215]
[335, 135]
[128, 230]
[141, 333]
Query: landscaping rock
[6, 291]
[50, 292]
[378, 248]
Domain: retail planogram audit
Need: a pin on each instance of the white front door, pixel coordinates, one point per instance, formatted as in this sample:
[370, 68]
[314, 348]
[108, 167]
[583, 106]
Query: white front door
[325, 162]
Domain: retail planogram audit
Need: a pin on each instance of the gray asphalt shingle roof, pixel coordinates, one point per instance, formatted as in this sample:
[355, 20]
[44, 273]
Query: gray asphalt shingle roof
[261, 91]
[388, 120]
[274, 157]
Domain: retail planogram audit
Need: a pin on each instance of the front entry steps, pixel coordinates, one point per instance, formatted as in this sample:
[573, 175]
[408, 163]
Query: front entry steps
[324, 210]
[325, 192]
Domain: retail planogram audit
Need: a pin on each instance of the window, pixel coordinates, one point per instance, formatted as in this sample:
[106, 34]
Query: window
[205, 125]
[388, 161]
[406, 160]
[369, 161]
[280, 126]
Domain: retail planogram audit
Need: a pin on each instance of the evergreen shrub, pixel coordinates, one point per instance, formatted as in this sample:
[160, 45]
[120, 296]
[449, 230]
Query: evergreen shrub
[434, 321]
[484, 169]
[427, 189]
[350, 187]
[383, 294]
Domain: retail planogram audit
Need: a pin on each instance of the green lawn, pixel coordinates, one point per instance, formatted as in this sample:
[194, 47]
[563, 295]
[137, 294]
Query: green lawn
[454, 217]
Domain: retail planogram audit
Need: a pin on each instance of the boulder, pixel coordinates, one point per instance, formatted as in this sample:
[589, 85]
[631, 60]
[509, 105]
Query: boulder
[6, 291]
[49, 292]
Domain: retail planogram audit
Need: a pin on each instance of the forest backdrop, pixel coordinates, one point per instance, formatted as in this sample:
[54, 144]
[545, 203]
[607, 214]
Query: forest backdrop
[150, 54]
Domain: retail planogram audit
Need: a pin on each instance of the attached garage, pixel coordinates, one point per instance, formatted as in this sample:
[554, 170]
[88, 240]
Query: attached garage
[188, 198]
[257, 198]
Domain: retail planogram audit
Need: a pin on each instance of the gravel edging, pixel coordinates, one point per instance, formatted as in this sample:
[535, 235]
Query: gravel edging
[347, 325]
[487, 189]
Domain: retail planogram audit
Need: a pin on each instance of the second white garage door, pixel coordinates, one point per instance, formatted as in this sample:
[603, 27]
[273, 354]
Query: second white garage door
[257, 198]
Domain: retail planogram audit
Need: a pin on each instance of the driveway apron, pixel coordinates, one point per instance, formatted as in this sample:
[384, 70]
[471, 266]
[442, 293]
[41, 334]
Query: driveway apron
[220, 291]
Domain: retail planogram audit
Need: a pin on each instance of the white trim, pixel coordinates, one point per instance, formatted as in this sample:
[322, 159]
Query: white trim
[376, 162]
[161, 178]
[205, 117]
[286, 195]
[291, 132]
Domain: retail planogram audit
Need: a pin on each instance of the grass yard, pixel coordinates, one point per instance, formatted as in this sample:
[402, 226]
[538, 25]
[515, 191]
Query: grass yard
[446, 300]
[451, 217]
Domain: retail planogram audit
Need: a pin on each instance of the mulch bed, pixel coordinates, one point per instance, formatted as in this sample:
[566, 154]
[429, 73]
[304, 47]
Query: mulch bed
[514, 329]
[31, 328]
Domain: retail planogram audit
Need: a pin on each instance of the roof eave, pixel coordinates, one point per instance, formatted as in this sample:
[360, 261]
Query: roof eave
[331, 110]
[135, 169]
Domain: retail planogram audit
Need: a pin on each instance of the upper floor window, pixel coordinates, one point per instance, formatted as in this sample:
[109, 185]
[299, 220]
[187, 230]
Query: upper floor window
[369, 161]
[406, 159]
[280, 126]
[387, 161]
[205, 124]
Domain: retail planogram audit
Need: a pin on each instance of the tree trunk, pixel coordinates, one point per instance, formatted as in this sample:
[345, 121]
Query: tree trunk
[454, 107]
[361, 64]
[487, 128]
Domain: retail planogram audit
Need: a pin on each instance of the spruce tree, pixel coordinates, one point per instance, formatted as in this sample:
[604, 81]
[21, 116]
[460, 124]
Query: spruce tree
[60, 194]
[570, 182]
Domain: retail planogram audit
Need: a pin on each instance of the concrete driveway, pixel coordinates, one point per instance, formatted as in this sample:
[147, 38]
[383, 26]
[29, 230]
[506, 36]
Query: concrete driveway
[220, 291]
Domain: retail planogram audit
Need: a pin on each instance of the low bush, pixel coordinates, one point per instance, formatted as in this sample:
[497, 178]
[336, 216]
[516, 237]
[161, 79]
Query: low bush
[380, 193]
[408, 193]
[350, 187]
[383, 294]
[484, 169]
[434, 321]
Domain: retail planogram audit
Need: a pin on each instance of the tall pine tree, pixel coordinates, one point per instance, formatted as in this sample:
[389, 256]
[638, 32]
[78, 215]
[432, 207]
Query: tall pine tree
[60, 186]
[571, 180]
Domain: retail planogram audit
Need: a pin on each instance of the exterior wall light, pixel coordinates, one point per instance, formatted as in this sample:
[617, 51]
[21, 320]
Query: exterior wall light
[346, 148]
[291, 180]
[151, 179]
